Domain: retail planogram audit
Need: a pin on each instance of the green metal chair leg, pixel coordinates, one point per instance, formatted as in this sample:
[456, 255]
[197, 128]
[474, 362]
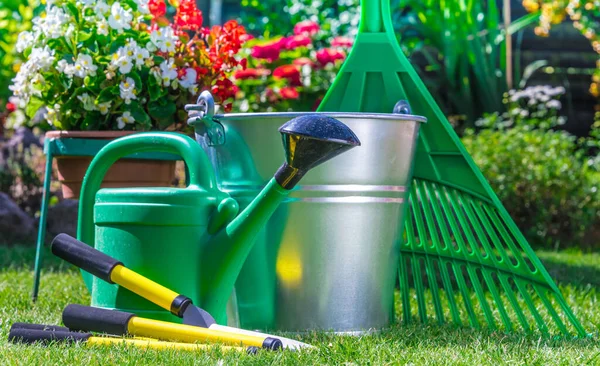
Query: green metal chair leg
[42, 226]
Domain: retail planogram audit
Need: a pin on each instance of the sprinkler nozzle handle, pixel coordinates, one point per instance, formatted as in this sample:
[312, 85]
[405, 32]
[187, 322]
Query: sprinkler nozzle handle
[84, 256]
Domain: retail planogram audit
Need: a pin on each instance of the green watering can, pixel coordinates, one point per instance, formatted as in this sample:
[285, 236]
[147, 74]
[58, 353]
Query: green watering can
[190, 240]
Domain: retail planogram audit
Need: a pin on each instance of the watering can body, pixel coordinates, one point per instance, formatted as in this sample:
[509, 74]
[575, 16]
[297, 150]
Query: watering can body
[161, 233]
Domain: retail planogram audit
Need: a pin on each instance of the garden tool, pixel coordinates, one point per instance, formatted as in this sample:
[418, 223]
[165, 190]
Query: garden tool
[119, 323]
[47, 334]
[78, 317]
[457, 227]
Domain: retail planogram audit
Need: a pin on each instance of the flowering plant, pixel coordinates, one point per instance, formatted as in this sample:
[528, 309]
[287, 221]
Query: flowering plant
[108, 64]
[289, 73]
[536, 107]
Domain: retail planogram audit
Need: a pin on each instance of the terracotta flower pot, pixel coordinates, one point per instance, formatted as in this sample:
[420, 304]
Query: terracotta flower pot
[124, 173]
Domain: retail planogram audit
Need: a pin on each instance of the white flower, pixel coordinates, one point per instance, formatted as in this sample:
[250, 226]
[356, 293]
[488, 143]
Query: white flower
[168, 71]
[53, 23]
[102, 27]
[24, 41]
[121, 61]
[120, 18]
[142, 6]
[52, 114]
[84, 66]
[126, 118]
[140, 56]
[88, 2]
[524, 113]
[164, 39]
[104, 108]
[101, 8]
[554, 104]
[87, 101]
[189, 80]
[127, 90]
[42, 58]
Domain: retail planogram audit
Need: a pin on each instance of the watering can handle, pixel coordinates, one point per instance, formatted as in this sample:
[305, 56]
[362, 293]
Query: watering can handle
[200, 170]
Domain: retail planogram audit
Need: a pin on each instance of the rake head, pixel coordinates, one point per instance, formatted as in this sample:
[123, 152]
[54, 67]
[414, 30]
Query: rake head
[466, 262]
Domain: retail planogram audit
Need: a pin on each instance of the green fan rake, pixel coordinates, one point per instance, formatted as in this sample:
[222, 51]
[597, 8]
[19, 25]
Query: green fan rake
[463, 259]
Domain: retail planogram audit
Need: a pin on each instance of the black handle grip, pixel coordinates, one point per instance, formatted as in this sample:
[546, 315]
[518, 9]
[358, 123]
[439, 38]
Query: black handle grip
[29, 336]
[49, 328]
[84, 256]
[90, 319]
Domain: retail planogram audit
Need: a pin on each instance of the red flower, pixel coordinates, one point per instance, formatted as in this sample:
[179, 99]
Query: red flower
[306, 27]
[10, 107]
[297, 41]
[303, 61]
[342, 42]
[289, 93]
[268, 51]
[250, 73]
[157, 8]
[289, 72]
[329, 55]
[188, 16]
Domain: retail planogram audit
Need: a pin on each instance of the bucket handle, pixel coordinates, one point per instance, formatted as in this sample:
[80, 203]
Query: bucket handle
[200, 170]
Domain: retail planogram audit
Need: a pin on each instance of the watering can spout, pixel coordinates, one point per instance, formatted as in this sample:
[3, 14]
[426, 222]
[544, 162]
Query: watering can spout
[308, 141]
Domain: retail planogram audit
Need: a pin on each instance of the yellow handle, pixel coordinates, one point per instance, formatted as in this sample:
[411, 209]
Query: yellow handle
[157, 344]
[144, 287]
[187, 333]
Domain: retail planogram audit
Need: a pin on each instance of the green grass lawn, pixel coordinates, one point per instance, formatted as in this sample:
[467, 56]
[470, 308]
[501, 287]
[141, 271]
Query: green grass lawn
[578, 276]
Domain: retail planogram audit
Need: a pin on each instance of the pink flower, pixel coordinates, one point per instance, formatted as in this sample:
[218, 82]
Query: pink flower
[342, 42]
[289, 93]
[268, 51]
[329, 55]
[297, 41]
[250, 73]
[303, 61]
[289, 72]
[306, 27]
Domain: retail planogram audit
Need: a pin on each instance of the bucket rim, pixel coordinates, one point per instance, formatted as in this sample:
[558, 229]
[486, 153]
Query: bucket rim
[346, 115]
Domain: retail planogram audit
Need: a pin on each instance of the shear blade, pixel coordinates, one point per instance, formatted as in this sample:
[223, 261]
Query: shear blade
[193, 315]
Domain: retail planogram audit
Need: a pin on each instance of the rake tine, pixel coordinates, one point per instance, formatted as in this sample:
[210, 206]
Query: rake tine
[449, 214]
[437, 303]
[567, 310]
[462, 286]
[468, 206]
[450, 292]
[483, 217]
[404, 289]
[557, 320]
[507, 237]
[418, 281]
[443, 263]
[513, 301]
[497, 298]
[474, 280]
[529, 301]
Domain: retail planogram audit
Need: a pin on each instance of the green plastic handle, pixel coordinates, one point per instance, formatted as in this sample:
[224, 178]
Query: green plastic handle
[375, 17]
[200, 170]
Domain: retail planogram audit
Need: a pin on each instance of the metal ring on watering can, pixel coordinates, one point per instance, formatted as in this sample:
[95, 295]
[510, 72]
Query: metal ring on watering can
[201, 114]
[199, 167]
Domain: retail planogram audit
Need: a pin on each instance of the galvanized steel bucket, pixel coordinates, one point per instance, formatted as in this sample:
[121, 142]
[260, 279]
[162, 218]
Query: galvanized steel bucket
[327, 259]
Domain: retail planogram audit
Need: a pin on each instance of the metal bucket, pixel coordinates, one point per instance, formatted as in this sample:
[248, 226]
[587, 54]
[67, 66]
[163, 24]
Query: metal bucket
[327, 259]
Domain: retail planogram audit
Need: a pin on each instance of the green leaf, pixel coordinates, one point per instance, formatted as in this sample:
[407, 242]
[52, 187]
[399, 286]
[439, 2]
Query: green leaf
[162, 109]
[138, 113]
[155, 90]
[83, 36]
[137, 79]
[73, 10]
[33, 106]
[91, 121]
[107, 94]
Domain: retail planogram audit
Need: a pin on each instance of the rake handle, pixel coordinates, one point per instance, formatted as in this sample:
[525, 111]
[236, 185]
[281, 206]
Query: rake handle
[375, 16]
